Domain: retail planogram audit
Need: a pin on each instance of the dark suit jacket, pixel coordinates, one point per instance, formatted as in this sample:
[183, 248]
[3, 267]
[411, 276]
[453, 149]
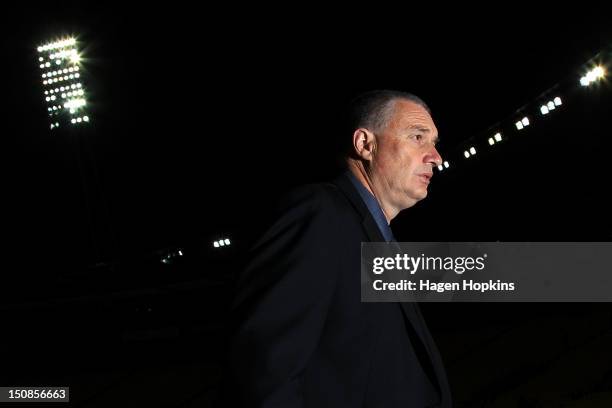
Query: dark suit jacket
[301, 335]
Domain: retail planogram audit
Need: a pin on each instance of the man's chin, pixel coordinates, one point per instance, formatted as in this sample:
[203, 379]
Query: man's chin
[421, 194]
[415, 198]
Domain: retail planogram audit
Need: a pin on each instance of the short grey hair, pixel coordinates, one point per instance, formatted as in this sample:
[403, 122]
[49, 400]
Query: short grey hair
[373, 110]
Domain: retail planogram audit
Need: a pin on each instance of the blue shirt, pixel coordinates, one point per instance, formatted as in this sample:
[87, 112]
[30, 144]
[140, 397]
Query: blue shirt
[374, 207]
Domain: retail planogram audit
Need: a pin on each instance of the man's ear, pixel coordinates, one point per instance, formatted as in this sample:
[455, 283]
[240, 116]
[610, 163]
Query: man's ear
[364, 143]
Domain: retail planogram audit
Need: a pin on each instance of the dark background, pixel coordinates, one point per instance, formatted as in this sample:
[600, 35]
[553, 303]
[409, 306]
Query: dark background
[202, 117]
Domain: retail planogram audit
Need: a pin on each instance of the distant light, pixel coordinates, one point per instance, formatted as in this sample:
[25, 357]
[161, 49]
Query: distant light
[551, 105]
[472, 151]
[525, 121]
[48, 64]
[180, 252]
[544, 109]
[598, 72]
[466, 154]
[216, 244]
[227, 241]
[79, 120]
[446, 164]
[42, 65]
[221, 243]
[58, 62]
[593, 75]
[519, 125]
[440, 167]
[495, 138]
[86, 118]
[41, 59]
[73, 121]
[557, 101]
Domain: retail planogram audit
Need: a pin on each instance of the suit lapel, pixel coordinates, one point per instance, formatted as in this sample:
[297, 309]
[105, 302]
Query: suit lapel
[417, 329]
[367, 221]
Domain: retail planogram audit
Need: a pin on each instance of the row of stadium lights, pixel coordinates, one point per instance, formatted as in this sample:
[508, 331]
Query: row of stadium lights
[595, 74]
[59, 72]
[72, 55]
[222, 243]
[65, 95]
[61, 79]
[73, 121]
[63, 89]
[170, 256]
[592, 76]
[59, 44]
[74, 59]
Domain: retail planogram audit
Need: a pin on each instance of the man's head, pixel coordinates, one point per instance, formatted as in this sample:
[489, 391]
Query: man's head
[393, 148]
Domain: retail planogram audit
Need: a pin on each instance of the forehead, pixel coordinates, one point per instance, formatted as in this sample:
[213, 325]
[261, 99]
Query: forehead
[409, 114]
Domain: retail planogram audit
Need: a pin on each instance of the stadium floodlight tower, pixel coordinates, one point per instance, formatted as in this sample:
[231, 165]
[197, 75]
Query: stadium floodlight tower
[60, 74]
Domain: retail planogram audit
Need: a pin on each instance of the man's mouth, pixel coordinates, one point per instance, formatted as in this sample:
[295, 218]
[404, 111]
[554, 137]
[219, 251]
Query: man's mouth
[425, 177]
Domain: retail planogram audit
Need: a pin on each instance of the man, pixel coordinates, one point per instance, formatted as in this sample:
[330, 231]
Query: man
[302, 337]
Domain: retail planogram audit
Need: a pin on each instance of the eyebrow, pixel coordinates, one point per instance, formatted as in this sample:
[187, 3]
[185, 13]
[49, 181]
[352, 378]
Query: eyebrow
[423, 129]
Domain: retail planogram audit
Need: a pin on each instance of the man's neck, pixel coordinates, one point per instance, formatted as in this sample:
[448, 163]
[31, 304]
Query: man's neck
[360, 173]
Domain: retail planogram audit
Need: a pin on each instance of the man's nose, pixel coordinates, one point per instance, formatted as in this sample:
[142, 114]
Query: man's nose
[433, 157]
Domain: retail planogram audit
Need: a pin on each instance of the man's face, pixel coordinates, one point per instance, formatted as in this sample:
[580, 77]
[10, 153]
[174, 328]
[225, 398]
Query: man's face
[404, 156]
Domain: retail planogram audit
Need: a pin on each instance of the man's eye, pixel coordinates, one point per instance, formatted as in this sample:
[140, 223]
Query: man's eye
[418, 137]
